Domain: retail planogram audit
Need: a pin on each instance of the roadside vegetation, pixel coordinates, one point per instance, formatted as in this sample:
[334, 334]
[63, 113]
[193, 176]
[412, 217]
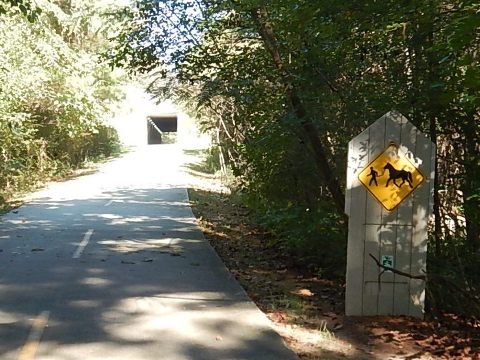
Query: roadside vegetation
[55, 91]
[305, 307]
[283, 86]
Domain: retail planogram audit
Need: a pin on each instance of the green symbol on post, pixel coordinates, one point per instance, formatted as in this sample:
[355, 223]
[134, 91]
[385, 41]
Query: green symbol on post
[387, 261]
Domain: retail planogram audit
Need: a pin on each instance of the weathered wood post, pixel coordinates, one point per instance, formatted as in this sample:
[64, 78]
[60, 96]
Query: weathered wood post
[389, 199]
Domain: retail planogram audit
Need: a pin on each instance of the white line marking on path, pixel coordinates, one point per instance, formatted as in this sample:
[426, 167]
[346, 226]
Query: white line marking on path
[30, 348]
[82, 245]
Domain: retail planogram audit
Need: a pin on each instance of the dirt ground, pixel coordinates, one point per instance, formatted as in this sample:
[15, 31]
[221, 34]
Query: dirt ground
[306, 310]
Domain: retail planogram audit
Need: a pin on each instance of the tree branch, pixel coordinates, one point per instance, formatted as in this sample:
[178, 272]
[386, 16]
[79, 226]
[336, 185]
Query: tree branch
[432, 279]
[395, 271]
[310, 132]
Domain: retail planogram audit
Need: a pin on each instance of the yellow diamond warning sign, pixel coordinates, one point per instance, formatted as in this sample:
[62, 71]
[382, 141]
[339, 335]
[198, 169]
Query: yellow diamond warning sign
[391, 177]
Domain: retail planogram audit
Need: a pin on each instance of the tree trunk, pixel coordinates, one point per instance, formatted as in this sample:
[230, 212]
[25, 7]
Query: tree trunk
[426, 64]
[310, 132]
[471, 182]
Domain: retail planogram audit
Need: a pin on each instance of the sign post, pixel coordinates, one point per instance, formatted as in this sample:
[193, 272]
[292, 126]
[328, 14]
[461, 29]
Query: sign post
[389, 199]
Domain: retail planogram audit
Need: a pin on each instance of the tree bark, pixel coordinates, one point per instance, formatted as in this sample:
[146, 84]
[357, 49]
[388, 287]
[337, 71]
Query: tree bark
[471, 182]
[310, 132]
[426, 65]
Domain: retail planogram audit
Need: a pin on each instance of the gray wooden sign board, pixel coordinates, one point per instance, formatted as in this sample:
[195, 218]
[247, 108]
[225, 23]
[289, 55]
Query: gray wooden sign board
[394, 233]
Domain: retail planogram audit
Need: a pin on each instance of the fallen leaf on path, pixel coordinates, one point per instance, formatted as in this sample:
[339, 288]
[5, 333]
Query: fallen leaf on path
[278, 316]
[127, 262]
[38, 249]
[330, 314]
[338, 327]
[147, 260]
[304, 292]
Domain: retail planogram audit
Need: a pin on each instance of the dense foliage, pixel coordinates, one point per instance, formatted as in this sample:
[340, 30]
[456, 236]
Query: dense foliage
[54, 91]
[285, 85]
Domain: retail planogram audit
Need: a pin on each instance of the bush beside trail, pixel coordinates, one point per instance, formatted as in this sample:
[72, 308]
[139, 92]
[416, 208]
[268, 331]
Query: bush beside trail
[55, 93]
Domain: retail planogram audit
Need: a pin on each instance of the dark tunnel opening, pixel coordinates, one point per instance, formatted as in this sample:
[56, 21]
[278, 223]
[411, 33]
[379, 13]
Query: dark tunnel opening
[161, 128]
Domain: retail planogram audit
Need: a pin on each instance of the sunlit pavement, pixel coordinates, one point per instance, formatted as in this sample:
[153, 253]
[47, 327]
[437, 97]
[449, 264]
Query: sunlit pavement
[112, 266]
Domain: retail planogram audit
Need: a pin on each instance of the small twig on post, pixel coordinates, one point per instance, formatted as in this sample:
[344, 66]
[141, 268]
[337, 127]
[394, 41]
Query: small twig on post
[432, 278]
[395, 271]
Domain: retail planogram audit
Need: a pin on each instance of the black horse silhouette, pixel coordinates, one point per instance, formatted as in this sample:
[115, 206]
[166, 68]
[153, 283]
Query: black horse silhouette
[395, 174]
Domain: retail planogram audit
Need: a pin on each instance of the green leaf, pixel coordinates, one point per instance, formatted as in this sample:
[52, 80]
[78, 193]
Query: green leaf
[23, 9]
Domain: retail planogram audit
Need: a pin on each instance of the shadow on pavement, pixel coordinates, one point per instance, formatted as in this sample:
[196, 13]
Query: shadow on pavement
[146, 285]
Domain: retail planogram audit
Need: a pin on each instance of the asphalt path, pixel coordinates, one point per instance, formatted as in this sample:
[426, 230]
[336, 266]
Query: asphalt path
[112, 265]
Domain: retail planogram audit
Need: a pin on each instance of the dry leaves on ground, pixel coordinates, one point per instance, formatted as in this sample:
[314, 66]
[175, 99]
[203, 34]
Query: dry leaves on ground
[308, 311]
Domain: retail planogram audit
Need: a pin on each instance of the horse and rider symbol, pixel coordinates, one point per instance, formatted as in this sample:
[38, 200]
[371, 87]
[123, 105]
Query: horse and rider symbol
[393, 176]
